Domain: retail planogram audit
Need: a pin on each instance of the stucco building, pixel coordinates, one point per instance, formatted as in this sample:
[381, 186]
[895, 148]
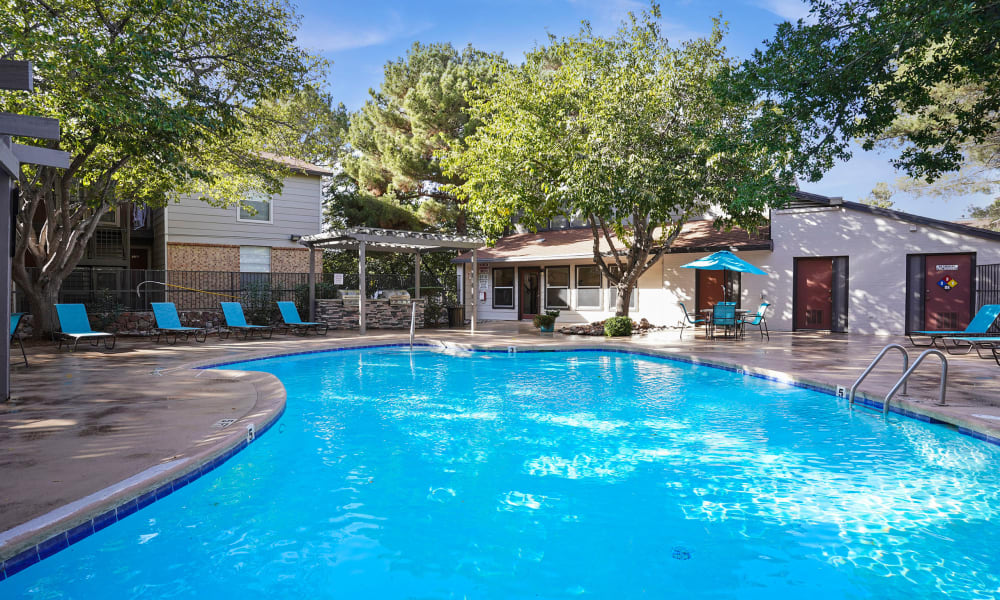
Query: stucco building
[833, 265]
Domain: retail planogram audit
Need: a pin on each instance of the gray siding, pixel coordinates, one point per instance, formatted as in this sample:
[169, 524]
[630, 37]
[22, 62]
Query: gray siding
[296, 211]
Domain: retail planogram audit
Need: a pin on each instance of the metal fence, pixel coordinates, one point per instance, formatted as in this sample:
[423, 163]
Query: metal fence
[988, 288]
[104, 289]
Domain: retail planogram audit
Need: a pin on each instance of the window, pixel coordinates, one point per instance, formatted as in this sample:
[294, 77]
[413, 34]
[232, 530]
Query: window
[557, 287]
[588, 286]
[110, 218]
[257, 209]
[503, 288]
[613, 292]
[255, 259]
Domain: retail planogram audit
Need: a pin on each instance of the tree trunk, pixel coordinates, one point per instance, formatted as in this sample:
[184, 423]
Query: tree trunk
[41, 300]
[623, 299]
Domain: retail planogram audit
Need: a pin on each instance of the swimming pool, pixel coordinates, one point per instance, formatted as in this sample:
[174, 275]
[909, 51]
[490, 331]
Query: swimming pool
[399, 474]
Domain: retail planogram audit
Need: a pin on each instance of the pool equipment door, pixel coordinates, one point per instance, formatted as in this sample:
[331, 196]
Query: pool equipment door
[948, 288]
[529, 292]
[820, 294]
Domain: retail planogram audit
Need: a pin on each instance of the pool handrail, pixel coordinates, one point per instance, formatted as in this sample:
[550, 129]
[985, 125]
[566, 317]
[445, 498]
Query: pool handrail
[871, 367]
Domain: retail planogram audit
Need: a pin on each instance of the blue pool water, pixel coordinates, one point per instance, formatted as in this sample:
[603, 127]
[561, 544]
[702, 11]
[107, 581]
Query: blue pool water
[556, 475]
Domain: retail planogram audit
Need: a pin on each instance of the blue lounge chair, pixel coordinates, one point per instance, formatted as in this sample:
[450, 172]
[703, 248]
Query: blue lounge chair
[75, 325]
[757, 321]
[979, 327]
[232, 312]
[167, 323]
[689, 320]
[15, 322]
[290, 315]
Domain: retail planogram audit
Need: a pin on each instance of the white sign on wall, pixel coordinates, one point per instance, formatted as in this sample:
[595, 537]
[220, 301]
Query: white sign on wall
[338, 279]
[947, 267]
[484, 282]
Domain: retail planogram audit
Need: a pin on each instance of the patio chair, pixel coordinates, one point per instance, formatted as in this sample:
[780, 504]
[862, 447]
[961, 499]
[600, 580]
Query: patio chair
[232, 312]
[290, 315]
[758, 321]
[167, 323]
[75, 325]
[724, 315]
[978, 327]
[15, 322]
[689, 320]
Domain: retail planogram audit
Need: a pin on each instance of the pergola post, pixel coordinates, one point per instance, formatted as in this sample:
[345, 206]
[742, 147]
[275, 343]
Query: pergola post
[475, 290]
[416, 275]
[312, 284]
[362, 285]
[6, 193]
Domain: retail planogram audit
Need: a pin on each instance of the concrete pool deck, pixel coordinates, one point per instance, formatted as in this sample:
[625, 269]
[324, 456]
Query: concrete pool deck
[79, 424]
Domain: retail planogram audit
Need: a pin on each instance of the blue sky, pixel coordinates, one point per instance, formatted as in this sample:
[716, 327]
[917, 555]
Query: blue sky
[360, 37]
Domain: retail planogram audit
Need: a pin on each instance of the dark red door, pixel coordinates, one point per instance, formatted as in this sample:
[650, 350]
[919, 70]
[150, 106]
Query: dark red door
[530, 292]
[813, 293]
[711, 288]
[947, 291]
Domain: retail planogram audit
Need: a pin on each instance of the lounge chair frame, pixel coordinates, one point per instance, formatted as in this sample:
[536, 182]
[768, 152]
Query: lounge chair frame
[166, 332]
[980, 344]
[94, 337]
[247, 329]
[301, 326]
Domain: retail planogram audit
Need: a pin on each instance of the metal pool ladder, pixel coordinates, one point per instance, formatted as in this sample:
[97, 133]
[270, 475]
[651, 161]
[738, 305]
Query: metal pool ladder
[906, 374]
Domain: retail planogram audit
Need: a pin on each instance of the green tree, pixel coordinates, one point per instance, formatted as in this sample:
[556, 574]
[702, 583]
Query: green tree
[849, 71]
[980, 167]
[625, 132]
[154, 99]
[418, 113]
[989, 213]
[880, 196]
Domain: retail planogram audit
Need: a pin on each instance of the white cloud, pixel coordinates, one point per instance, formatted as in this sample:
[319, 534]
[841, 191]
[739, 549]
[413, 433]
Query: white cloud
[325, 37]
[791, 10]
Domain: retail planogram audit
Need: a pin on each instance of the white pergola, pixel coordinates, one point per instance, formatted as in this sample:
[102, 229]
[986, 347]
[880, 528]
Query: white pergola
[363, 239]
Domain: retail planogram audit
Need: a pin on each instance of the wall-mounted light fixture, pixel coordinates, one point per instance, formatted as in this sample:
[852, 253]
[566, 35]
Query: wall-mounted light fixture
[295, 237]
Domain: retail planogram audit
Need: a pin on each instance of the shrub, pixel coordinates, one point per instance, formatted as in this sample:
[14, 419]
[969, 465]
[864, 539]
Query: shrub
[618, 326]
[545, 321]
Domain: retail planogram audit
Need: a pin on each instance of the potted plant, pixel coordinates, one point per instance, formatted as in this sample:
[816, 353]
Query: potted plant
[546, 323]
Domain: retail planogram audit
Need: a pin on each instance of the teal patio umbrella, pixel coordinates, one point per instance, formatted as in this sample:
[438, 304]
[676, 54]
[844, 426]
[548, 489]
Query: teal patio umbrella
[724, 260]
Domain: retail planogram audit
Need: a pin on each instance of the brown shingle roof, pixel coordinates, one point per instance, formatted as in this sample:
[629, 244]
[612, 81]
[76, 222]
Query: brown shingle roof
[696, 236]
[297, 165]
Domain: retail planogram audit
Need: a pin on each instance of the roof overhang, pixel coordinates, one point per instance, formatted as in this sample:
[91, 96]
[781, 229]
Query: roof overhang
[390, 240]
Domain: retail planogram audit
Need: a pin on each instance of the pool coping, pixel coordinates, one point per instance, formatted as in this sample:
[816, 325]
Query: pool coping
[56, 530]
[46, 535]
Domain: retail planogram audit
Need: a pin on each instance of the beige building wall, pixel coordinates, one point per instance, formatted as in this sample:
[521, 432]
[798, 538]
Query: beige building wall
[203, 257]
[293, 260]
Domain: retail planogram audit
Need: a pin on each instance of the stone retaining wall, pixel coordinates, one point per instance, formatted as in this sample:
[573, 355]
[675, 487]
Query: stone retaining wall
[379, 314]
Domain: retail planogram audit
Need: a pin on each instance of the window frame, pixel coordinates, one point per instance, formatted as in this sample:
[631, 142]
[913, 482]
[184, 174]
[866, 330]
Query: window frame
[269, 200]
[567, 287]
[270, 258]
[512, 287]
[599, 287]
